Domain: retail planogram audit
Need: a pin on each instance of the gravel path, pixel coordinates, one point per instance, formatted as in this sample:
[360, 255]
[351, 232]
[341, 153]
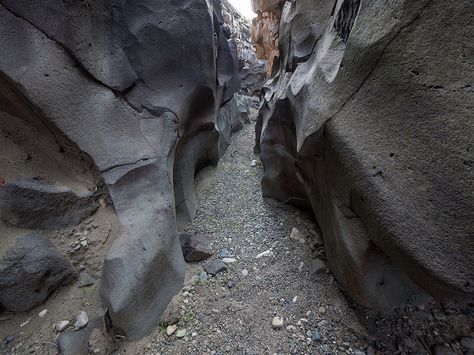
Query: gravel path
[233, 312]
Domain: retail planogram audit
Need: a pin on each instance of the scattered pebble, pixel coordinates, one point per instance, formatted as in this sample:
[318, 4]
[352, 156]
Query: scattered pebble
[245, 272]
[224, 253]
[229, 260]
[85, 280]
[62, 325]
[296, 235]
[215, 267]
[171, 329]
[203, 276]
[42, 313]
[254, 163]
[265, 253]
[181, 333]
[316, 336]
[25, 322]
[277, 322]
[322, 310]
[81, 320]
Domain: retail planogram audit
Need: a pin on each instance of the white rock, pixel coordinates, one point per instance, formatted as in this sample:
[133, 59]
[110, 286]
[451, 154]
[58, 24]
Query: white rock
[291, 328]
[277, 322]
[229, 260]
[25, 322]
[254, 163]
[322, 310]
[62, 325]
[295, 299]
[81, 320]
[297, 236]
[245, 272]
[265, 253]
[42, 313]
[181, 333]
[171, 329]
[185, 293]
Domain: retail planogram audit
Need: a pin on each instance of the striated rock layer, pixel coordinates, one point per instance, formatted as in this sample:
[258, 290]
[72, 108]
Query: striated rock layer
[369, 120]
[129, 93]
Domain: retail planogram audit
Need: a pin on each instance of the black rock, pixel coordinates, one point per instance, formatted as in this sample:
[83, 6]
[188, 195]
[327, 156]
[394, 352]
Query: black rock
[9, 339]
[443, 350]
[195, 247]
[76, 342]
[30, 271]
[467, 343]
[36, 204]
[215, 266]
[316, 336]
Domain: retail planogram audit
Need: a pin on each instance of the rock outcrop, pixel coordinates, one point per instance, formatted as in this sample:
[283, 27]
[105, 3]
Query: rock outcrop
[132, 91]
[30, 270]
[265, 30]
[368, 119]
[36, 204]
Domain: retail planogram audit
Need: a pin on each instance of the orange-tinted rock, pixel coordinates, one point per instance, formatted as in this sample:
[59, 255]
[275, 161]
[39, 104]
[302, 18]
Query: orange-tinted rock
[264, 31]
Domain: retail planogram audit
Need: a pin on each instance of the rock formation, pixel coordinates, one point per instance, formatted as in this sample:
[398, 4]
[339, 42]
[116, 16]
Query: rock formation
[130, 96]
[368, 119]
[265, 30]
[30, 271]
[252, 70]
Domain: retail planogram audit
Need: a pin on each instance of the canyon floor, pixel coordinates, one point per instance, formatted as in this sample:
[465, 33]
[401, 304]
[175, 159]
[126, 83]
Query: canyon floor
[233, 311]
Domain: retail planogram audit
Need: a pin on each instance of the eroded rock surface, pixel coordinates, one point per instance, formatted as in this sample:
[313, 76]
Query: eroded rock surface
[369, 120]
[30, 270]
[133, 91]
[36, 204]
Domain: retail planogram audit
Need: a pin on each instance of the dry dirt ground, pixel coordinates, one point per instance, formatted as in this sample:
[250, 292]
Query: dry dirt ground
[232, 312]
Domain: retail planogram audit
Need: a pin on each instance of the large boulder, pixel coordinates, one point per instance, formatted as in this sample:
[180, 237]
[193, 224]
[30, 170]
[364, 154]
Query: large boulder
[30, 271]
[134, 88]
[370, 120]
[37, 204]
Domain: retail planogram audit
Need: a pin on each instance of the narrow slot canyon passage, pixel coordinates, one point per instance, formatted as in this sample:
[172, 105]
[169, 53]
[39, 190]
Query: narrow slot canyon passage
[213, 177]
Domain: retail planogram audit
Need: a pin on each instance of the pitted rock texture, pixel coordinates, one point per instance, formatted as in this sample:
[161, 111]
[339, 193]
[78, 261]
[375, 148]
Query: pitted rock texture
[369, 120]
[134, 90]
[30, 270]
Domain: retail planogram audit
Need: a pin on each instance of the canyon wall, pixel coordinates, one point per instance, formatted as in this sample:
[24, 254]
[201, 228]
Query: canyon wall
[368, 120]
[118, 101]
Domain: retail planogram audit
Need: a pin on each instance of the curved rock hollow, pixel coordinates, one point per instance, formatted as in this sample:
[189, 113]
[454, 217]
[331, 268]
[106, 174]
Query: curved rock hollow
[368, 118]
[133, 96]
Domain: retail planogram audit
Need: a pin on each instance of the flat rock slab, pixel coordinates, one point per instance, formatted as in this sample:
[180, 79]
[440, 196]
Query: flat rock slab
[30, 271]
[195, 247]
[37, 204]
[215, 266]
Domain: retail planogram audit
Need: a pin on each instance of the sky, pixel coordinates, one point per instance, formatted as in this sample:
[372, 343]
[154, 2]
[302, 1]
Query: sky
[244, 7]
